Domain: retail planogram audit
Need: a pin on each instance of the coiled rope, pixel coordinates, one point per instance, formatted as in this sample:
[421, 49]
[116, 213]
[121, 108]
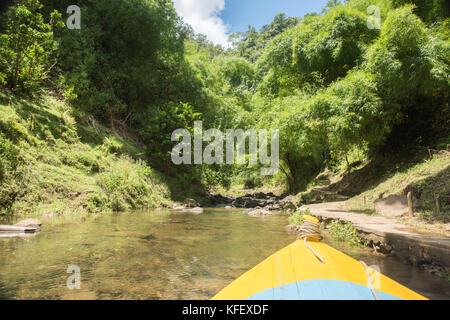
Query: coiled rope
[310, 230]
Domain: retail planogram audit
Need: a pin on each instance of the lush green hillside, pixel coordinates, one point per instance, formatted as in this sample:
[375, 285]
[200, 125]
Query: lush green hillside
[427, 179]
[339, 89]
[426, 173]
[52, 163]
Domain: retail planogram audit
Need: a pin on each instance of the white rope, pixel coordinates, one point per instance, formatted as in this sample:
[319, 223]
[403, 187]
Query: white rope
[310, 231]
[374, 292]
[315, 253]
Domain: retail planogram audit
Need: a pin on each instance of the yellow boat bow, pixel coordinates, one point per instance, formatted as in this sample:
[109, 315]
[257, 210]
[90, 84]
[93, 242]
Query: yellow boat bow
[314, 271]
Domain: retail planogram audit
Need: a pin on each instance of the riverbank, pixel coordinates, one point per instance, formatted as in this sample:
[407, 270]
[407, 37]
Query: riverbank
[425, 173]
[427, 249]
[54, 163]
[389, 236]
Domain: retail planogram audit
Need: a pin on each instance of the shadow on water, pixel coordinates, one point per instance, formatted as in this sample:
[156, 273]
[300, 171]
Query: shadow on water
[160, 255]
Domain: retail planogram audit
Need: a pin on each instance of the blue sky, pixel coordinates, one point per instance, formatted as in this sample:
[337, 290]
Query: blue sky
[218, 18]
[240, 13]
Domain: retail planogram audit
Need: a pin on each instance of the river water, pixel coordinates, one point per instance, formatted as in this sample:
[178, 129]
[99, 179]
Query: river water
[162, 255]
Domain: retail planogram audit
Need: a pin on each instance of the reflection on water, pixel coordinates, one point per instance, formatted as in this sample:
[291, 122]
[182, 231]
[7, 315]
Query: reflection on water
[160, 255]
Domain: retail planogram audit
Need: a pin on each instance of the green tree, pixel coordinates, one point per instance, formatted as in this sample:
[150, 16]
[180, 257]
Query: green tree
[411, 71]
[356, 115]
[318, 51]
[27, 46]
[251, 43]
[429, 11]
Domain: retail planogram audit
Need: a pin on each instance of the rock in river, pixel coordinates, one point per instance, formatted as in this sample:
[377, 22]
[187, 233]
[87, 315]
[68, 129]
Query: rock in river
[260, 212]
[245, 202]
[191, 203]
[292, 228]
[176, 207]
[29, 223]
[196, 210]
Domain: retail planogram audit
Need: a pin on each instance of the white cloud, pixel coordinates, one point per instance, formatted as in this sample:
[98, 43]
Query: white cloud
[202, 15]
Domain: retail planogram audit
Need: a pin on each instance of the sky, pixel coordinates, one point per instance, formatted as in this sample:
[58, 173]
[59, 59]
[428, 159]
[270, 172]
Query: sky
[218, 18]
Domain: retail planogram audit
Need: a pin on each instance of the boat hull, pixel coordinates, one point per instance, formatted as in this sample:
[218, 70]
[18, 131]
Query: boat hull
[295, 273]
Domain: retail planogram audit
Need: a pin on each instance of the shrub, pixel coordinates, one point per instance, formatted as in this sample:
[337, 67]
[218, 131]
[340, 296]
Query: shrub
[9, 163]
[112, 145]
[345, 232]
[131, 185]
[297, 217]
[8, 157]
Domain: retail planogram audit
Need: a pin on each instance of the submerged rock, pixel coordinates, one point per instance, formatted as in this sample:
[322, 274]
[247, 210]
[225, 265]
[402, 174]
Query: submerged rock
[149, 237]
[196, 210]
[177, 207]
[259, 213]
[292, 228]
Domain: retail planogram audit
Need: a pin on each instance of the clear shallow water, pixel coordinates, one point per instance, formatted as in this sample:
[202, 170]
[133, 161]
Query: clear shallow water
[161, 255]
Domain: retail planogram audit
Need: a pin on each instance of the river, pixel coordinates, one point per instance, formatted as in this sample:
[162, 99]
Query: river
[162, 255]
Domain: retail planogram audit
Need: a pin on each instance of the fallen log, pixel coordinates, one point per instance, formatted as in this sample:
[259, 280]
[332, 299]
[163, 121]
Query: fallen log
[4, 228]
[16, 234]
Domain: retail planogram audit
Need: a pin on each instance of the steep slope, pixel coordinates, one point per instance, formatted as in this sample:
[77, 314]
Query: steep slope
[54, 162]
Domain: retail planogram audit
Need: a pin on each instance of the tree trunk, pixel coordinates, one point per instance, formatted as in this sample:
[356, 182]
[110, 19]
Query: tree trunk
[14, 80]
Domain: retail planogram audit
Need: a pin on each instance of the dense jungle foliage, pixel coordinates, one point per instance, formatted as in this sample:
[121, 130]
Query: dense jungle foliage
[338, 90]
